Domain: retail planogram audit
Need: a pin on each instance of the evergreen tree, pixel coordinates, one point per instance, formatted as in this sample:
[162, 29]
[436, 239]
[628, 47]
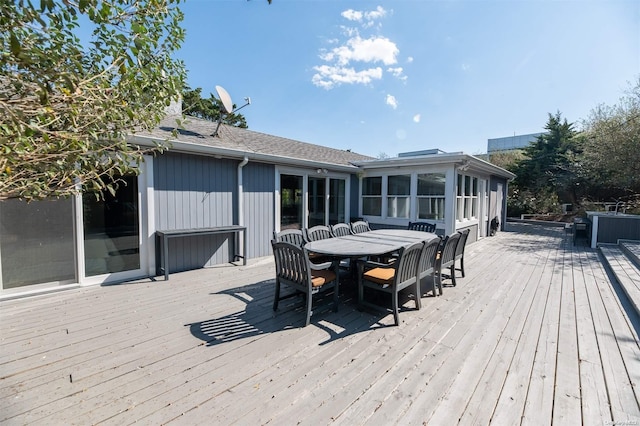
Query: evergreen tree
[548, 172]
[194, 105]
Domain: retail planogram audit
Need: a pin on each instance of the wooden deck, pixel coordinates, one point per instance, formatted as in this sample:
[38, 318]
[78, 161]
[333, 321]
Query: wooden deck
[535, 334]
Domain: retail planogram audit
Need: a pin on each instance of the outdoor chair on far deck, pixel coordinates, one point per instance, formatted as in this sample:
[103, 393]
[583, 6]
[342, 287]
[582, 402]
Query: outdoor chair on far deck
[447, 259]
[294, 269]
[360, 226]
[459, 256]
[428, 261]
[422, 226]
[291, 236]
[392, 278]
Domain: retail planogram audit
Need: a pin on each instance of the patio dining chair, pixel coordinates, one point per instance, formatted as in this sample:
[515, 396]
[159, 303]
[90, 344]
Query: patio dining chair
[291, 236]
[459, 255]
[447, 258]
[360, 226]
[341, 229]
[318, 232]
[315, 233]
[391, 278]
[422, 226]
[428, 261]
[294, 269]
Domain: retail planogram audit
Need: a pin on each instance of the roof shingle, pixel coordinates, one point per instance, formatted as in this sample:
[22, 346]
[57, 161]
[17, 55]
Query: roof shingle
[200, 132]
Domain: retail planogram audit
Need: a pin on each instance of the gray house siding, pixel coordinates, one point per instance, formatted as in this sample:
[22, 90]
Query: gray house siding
[354, 198]
[495, 199]
[259, 207]
[195, 192]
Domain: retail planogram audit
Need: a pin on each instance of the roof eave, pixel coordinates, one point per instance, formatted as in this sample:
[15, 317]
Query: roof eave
[203, 149]
[440, 159]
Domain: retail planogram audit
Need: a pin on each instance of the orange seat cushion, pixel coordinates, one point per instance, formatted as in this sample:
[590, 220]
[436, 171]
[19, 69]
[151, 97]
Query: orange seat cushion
[320, 278]
[382, 276]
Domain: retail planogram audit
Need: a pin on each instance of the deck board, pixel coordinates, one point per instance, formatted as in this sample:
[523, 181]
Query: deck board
[538, 407]
[534, 334]
[567, 403]
[592, 381]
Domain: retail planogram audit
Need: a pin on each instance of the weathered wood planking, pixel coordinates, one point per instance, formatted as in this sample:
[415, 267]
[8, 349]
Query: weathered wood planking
[534, 333]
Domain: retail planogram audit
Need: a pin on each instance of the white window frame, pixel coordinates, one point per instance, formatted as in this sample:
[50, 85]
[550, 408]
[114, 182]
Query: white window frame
[467, 197]
[374, 196]
[393, 201]
[440, 215]
[386, 199]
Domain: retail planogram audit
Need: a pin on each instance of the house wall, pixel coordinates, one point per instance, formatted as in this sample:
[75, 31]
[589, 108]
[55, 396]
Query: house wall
[198, 192]
[498, 202]
[259, 207]
[451, 222]
[473, 233]
[354, 197]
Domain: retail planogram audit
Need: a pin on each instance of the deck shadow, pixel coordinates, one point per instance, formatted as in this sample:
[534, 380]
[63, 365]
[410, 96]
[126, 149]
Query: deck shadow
[258, 317]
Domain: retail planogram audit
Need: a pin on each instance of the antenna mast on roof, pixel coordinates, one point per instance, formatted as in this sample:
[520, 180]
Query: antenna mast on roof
[227, 106]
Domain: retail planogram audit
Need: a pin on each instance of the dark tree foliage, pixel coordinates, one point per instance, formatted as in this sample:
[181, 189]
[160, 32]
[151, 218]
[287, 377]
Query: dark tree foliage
[549, 172]
[611, 140]
[194, 105]
[547, 162]
[66, 107]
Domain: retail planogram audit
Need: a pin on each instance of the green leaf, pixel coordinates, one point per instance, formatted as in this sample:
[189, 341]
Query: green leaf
[15, 45]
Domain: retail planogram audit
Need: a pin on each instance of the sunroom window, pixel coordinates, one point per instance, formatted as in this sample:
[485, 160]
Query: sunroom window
[467, 198]
[398, 196]
[372, 196]
[431, 195]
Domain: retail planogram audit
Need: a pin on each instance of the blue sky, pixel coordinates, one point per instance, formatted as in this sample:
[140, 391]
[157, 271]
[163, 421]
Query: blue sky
[406, 75]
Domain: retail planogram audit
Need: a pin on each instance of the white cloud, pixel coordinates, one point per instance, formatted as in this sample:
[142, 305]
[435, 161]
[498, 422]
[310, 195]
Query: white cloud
[352, 15]
[349, 31]
[410, 59]
[391, 101]
[328, 76]
[398, 73]
[369, 17]
[376, 14]
[374, 49]
[465, 67]
[351, 60]
[416, 118]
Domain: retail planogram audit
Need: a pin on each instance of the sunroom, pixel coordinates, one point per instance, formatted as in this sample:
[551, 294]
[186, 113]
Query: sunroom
[454, 190]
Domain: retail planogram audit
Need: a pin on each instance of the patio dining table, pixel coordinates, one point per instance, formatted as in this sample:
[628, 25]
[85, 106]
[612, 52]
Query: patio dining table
[371, 243]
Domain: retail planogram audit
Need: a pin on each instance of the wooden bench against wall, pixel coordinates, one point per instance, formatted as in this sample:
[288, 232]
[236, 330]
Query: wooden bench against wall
[164, 235]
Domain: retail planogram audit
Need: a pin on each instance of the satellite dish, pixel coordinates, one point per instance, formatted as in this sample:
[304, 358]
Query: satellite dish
[227, 106]
[225, 99]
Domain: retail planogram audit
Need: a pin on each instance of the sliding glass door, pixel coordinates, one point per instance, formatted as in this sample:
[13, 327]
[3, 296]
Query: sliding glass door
[307, 199]
[37, 243]
[84, 239]
[112, 230]
[291, 201]
[337, 201]
[317, 201]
